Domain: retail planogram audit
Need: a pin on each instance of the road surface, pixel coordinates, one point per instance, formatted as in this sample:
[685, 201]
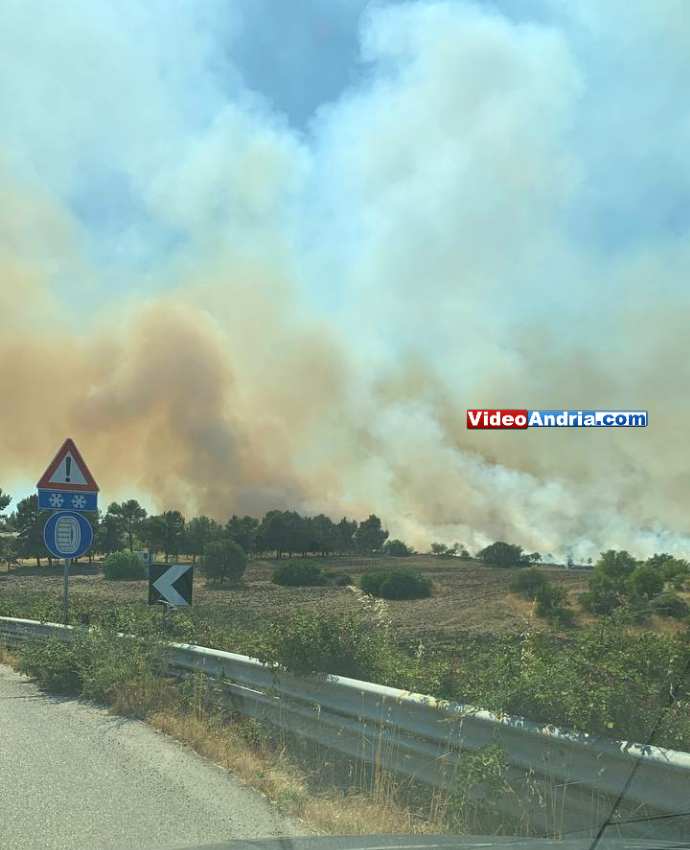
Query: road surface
[73, 776]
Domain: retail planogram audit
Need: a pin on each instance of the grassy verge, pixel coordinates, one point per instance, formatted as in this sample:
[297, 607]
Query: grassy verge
[609, 678]
[326, 792]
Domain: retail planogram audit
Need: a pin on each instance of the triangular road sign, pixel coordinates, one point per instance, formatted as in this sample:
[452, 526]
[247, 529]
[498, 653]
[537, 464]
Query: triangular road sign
[67, 471]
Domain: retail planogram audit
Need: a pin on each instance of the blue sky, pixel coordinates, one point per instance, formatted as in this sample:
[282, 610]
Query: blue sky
[416, 206]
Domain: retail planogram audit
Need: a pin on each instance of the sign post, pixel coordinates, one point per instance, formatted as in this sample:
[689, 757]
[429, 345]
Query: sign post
[68, 562]
[67, 483]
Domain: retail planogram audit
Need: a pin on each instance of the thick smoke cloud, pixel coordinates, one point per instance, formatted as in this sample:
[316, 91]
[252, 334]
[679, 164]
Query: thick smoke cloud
[496, 214]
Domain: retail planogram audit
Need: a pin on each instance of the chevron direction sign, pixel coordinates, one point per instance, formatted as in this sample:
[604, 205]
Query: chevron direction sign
[171, 583]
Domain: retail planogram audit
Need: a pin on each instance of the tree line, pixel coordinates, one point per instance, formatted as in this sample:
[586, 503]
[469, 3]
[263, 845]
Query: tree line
[128, 525]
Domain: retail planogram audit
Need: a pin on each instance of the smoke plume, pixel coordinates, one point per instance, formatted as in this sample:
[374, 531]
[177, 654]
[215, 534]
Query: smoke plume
[230, 313]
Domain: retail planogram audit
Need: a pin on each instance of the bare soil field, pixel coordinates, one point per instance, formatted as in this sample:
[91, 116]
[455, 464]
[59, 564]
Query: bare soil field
[467, 597]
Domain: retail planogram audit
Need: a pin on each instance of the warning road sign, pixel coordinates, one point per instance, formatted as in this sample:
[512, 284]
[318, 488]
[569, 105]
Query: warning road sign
[68, 471]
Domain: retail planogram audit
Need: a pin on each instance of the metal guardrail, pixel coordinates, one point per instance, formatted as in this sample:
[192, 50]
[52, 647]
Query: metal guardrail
[561, 781]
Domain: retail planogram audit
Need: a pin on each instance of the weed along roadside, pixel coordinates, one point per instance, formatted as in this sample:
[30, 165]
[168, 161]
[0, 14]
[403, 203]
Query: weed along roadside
[133, 675]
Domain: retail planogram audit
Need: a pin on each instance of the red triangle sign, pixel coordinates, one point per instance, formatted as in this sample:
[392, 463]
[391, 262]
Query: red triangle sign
[67, 471]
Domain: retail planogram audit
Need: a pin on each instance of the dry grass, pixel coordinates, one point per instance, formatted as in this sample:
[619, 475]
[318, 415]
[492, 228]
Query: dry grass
[8, 657]
[300, 781]
[274, 772]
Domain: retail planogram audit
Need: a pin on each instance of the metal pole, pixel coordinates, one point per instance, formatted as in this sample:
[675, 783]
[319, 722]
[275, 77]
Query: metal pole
[68, 561]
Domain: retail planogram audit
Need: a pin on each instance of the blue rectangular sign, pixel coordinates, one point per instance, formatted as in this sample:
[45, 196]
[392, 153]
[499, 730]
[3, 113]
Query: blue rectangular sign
[66, 500]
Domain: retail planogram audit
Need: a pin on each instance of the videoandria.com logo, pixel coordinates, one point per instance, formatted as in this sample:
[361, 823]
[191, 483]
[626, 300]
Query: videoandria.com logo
[500, 419]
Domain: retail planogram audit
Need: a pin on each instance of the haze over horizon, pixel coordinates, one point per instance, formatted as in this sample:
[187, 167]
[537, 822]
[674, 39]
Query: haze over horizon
[259, 256]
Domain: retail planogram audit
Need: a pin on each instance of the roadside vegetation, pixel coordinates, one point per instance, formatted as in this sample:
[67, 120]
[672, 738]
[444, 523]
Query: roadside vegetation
[608, 678]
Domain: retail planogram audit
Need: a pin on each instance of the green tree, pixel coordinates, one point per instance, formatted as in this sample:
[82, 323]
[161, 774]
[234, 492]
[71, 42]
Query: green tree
[152, 533]
[345, 533]
[224, 559]
[108, 534]
[273, 533]
[29, 523]
[173, 533]
[244, 531]
[4, 501]
[323, 534]
[200, 531]
[438, 548]
[645, 582]
[617, 565]
[501, 554]
[131, 515]
[370, 536]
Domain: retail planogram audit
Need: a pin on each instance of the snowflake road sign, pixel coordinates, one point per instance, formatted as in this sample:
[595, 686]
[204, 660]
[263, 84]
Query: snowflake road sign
[55, 500]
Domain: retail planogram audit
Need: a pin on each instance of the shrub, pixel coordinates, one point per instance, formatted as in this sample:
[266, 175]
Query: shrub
[340, 579]
[98, 664]
[645, 582]
[528, 582]
[553, 605]
[124, 566]
[502, 554]
[396, 584]
[604, 594]
[224, 559]
[53, 664]
[397, 548]
[299, 574]
[670, 605]
[349, 645]
[371, 581]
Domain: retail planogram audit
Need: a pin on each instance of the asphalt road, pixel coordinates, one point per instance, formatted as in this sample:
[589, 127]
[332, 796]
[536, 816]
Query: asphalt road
[73, 776]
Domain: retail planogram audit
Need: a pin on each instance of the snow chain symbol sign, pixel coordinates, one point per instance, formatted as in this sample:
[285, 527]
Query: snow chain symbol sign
[67, 535]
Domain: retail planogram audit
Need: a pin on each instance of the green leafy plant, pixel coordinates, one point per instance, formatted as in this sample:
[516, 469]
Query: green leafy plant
[124, 566]
[396, 584]
[501, 554]
[299, 574]
[670, 605]
[528, 582]
[53, 664]
[224, 559]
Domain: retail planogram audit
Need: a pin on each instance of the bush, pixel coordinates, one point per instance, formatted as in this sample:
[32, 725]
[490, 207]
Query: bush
[645, 582]
[53, 664]
[528, 582]
[299, 574]
[604, 595]
[371, 581]
[224, 559]
[397, 548]
[670, 605]
[340, 579]
[350, 645]
[124, 566]
[396, 584]
[98, 664]
[553, 605]
[502, 554]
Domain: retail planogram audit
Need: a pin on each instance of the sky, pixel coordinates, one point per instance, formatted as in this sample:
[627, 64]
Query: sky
[261, 255]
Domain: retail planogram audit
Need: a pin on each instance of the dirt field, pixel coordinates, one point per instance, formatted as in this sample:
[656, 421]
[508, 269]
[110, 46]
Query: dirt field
[466, 597]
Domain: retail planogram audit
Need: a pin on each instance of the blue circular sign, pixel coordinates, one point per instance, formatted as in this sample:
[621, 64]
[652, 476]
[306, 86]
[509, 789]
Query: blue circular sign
[67, 534]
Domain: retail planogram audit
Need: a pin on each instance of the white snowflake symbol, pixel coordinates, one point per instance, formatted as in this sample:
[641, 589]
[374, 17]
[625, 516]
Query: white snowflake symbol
[78, 502]
[56, 500]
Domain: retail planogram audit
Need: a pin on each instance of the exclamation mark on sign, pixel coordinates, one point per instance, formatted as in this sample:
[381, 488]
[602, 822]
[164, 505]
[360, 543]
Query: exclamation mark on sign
[68, 464]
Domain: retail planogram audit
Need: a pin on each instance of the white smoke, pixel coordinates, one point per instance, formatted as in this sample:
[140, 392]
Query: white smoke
[494, 214]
